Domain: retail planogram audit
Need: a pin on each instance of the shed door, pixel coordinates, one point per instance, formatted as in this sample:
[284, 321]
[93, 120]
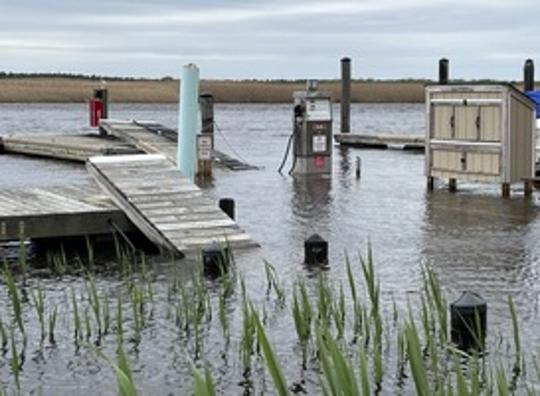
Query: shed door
[490, 123]
[466, 162]
[466, 122]
[442, 122]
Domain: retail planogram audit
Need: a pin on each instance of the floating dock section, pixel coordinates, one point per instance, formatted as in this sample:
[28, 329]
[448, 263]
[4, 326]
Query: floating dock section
[382, 141]
[59, 211]
[170, 210]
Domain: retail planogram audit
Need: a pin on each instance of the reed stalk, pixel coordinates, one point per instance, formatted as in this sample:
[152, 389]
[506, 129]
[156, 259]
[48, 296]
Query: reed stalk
[14, 297]
[14, 363]
[272, 363]
[38, 299]
[76, 317]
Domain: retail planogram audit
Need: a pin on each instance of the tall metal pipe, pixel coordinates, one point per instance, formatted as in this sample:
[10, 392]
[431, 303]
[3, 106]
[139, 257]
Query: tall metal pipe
[188, 120]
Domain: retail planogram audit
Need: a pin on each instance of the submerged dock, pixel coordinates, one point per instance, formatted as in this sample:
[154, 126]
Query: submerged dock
[168, 208]
[137, 188]
[382, 141]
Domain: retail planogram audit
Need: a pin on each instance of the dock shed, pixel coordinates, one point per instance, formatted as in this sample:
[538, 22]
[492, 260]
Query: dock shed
[480, 133]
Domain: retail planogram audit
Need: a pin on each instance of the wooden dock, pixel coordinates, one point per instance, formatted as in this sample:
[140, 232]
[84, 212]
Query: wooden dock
[65, 147]
[168, 208]
[382, 141]
[59, 211]
[154, 138]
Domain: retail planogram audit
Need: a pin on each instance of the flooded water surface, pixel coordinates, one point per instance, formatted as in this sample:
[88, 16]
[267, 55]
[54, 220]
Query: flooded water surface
[473, 239]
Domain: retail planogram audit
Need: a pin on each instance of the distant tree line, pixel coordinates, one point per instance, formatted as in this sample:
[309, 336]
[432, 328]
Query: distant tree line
[96, 77]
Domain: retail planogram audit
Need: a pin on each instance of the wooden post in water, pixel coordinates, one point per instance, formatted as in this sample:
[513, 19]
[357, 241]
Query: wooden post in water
[345, 95]
[205, 142]
[528, 75]
[443, 80]
[206, 101]
[444, 71]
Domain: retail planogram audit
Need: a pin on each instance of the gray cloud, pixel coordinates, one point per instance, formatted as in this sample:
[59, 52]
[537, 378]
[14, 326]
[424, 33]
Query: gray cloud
[273, 39]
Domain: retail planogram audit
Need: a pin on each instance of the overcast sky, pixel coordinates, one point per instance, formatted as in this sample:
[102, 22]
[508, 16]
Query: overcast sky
[270, 39]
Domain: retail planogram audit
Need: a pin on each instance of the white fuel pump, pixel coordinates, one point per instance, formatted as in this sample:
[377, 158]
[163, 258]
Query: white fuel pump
[312, 132]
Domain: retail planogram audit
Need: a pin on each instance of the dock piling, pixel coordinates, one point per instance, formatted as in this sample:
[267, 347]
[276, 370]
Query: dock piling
[315, 250]
[187, 122]
[345, 95]
[227, 205]
[468, 321]
[206, 101]
[444, 71]
[215, 260]
[528, 75]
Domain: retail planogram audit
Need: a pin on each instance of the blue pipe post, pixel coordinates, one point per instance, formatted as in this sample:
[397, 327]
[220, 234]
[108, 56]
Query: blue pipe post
[188, 120]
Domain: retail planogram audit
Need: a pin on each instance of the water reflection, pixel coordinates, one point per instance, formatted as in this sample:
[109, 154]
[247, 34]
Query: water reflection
[485, 244]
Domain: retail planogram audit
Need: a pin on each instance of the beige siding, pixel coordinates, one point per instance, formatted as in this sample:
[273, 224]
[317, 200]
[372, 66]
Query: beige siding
[521, 140]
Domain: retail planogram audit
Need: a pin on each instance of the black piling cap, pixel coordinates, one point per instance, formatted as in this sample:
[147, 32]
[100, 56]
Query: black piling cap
[346, 59]
[227, 205]
[315, 250]
[470, 300]
[468, 321]
[216, 259]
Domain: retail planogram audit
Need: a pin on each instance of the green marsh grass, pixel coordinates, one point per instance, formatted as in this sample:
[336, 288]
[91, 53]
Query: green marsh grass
[339, 331]
[203, 384]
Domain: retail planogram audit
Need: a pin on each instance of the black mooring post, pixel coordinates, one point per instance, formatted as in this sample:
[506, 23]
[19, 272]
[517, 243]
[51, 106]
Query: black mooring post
[528, 75]
[468, 322]
[227, 205]
[345, 103]
[315, 250]
[216, 259]
[444, 66]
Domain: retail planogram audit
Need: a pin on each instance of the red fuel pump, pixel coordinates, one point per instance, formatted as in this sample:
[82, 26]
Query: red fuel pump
[96, 112]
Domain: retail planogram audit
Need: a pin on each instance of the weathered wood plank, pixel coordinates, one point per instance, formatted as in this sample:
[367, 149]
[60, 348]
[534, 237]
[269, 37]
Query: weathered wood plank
[66, 147]
[175, 215]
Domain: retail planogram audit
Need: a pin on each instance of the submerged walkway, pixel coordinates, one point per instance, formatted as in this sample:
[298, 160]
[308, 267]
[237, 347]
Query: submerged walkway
[166, 206]
[154, 138]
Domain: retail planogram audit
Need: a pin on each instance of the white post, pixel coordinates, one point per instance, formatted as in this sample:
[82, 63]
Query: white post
[188, 120]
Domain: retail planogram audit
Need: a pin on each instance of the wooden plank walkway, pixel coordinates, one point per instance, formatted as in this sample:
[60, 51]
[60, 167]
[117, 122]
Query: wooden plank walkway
[59, 212]
[66, 147]
[382, 141]
[168, 208]
[154, 138]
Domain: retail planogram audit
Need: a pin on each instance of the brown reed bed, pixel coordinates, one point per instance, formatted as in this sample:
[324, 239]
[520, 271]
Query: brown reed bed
[62, 90]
